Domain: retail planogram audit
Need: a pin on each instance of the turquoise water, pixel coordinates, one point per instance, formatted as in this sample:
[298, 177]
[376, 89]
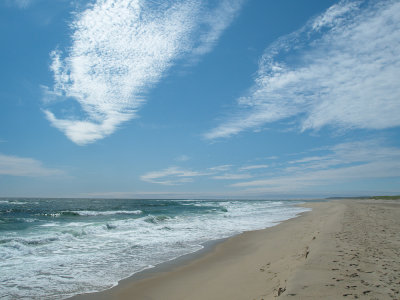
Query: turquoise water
[56, 248]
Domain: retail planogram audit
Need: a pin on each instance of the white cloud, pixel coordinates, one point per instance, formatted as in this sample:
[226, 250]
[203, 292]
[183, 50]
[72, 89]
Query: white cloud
[216, 21]
[120, 49]
[178, 175]
[170, 176]
[341, 70]
[254, 167]
[220, 168]
[334, 15]
[23, 166]
[330, 180]
[348, 167]
[230, 176]
[344, 163]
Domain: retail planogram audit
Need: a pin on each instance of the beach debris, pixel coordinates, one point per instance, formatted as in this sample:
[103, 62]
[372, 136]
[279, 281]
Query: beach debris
[307, 252]
[281, 291]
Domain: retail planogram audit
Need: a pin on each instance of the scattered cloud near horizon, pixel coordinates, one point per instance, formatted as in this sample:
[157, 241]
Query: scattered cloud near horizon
[254, 167]
[230, 176]
[340, 70]
[120, 49]
[170, 176]
[327, 168]
[178, 175]
[346, 162]
[24, 166]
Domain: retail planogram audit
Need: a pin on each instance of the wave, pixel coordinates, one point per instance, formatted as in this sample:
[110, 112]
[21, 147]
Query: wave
[157, 219]
[13, 220]
[76, 242]
[29, 241]
[13, 202]
[91, 213]
[107, 213]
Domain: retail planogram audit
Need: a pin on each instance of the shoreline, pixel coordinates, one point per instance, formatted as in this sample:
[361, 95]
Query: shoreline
[301, 257]
[178, 262]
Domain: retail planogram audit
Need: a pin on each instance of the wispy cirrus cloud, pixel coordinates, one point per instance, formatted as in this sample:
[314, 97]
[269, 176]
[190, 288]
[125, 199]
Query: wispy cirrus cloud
[171, 176]
[346, 168]
[353, 162]
[120, 49]
[24, 166]
[177, 175]
[340, 70]
[215, 22]
[220, 168]
[232, 176]
[254, 167]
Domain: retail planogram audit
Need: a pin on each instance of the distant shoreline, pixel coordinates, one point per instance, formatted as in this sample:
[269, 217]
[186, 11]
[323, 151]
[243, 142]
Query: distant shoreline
[338, 249]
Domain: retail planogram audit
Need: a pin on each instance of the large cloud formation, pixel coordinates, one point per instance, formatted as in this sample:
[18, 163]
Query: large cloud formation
[120, 49]
[341, 69]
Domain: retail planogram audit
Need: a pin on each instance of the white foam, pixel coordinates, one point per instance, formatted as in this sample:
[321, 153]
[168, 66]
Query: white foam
[106, 213]
[50, 225]
[96, 255]
[15, 202]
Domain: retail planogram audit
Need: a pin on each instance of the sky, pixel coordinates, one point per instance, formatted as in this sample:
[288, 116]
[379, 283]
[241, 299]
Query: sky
[241, 99]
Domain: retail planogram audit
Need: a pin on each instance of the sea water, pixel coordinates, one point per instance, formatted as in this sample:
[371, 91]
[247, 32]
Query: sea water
[57, 248]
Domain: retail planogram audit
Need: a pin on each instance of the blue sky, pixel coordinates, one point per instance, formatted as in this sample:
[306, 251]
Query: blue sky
[199, 99]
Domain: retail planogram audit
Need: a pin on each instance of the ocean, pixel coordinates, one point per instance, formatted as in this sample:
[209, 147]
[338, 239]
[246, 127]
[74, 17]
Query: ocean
[57, 248]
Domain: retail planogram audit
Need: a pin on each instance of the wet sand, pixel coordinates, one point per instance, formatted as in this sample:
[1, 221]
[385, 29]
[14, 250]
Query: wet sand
[342, 249]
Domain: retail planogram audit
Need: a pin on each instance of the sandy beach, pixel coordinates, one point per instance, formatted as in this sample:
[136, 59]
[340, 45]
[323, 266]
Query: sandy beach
[342, 249]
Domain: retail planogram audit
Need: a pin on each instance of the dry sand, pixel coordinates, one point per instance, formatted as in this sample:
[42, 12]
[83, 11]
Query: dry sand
[343, 249]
